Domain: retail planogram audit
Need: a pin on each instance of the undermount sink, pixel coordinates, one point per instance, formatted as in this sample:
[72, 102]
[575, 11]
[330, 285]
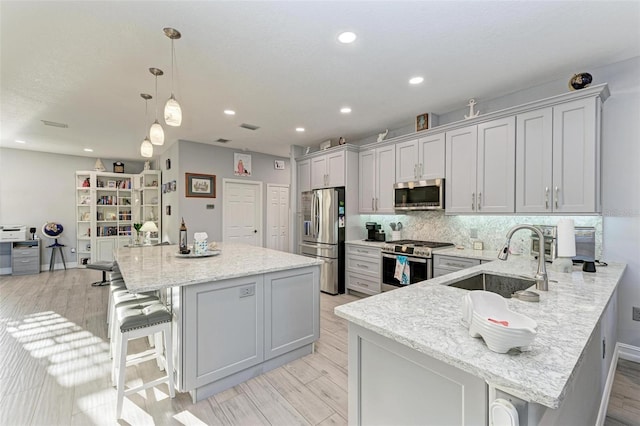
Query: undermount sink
[504, 286]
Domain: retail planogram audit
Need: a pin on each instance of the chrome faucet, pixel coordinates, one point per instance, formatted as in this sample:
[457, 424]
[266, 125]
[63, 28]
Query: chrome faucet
[542, 281]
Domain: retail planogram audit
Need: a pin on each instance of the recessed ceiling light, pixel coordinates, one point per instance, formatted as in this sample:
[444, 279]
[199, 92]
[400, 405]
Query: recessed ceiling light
[19, 141]
[345, 110]
[229, 112]
[299, 129]
[416, 80]
[347, 37]
[88, 150]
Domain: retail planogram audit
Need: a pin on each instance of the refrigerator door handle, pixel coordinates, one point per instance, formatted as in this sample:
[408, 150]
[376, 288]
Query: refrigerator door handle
[313, 215]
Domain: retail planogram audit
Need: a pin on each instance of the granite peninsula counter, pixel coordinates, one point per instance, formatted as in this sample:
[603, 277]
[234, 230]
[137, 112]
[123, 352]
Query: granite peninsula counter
[422, 323]
[235, 315]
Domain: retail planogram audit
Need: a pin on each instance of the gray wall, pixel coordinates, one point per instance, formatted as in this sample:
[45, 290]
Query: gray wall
[39, 187]
[191, 157]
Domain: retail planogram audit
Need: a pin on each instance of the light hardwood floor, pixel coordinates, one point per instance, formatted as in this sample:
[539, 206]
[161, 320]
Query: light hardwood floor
[624, 401]
[55, 367]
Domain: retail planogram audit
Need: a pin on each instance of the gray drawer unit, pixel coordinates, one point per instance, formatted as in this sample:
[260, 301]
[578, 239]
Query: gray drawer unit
[362, 269]
[25, 257]
[443, 265]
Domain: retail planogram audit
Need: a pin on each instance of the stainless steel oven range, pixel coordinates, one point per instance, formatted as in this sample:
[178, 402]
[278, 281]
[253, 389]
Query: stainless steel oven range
[418, 254]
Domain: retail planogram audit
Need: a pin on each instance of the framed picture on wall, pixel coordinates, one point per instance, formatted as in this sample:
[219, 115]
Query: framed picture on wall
[422, 122]
[241, 164]
[200, 185]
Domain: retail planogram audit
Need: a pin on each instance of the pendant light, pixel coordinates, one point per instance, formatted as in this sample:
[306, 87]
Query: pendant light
[156, 133]
[172, 110]
[146, 148]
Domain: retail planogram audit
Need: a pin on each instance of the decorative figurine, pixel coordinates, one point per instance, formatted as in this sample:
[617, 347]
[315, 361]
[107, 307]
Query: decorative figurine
[341, 141]
[580, 81]
[383, 135]
[472, 113]
[147, 165]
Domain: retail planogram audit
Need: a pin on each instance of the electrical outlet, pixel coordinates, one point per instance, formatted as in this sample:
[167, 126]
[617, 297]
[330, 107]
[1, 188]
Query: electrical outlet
[636, 313]
[247, 291]
[73, 250]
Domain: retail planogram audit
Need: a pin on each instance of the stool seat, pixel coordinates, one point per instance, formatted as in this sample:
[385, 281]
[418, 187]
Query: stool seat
[104, 267]
[142, 315]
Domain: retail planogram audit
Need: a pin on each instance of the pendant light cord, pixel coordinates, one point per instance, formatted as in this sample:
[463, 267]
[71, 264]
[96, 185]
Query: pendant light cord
[156, 97]
[173, 70]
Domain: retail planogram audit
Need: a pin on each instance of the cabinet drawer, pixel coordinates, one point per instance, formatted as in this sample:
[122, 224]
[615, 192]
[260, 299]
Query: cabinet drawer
[438, 272]
[22, 252]
[362, 283]
[24, 266]
[363, 251]
[363, 265]
[453, 263]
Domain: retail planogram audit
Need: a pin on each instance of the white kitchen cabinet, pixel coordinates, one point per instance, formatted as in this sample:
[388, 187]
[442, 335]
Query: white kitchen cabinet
[328, 171]
[362, 269]
[376, 180]
[421, 159]
[444, 264]
[304, 175]
[481, 168]
[558, 161]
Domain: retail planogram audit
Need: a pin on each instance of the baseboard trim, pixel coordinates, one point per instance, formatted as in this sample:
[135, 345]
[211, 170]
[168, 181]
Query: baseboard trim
[621, 351]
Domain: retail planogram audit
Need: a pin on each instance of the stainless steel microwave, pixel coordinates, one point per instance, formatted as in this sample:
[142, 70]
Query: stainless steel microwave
[419, 195]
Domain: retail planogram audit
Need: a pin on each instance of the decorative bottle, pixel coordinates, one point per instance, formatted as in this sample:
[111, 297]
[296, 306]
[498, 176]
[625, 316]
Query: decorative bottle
[183, 238]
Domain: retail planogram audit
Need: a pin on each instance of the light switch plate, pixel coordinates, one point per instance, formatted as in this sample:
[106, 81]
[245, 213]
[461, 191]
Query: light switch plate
[477, 245]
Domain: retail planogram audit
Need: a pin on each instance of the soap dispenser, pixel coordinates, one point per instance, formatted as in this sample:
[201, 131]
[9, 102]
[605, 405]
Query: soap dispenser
[183, 238]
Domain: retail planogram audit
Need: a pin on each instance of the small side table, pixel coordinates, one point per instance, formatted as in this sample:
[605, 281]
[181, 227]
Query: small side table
[53, 248]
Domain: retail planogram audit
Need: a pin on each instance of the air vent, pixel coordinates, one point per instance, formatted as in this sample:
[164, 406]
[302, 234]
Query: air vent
[222, 140]
[54, 124]
[249, 126]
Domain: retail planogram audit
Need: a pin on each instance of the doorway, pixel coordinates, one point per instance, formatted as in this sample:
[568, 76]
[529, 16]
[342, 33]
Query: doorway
[242, 211]
[278, 217]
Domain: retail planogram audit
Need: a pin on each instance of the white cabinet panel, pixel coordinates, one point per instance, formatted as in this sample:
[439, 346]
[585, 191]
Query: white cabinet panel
[460, 185]
[328, 171]
[367, 177]
[377, 176]
[421, 158]
[496, 166]
[407, 161]
[304, 175]
[319, 172]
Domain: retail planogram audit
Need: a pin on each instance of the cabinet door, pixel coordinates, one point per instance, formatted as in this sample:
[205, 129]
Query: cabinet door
[304, 176]
[575, 163]
[366, 174]
[319, 172]
[460, 184]
[496, 172]
[104, 249]
[407, 161]
[335, 169]
[534, 143]
[431, 153]
[385, 178]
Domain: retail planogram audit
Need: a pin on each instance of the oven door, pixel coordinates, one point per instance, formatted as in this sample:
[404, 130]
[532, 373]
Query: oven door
[419, 270]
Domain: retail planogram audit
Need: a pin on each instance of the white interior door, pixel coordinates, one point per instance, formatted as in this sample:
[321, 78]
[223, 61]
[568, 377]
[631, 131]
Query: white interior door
[278, 217]
[242, 212]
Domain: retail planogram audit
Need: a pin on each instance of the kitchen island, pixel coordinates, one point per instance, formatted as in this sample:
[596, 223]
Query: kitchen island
[236, 315]
[411, 358]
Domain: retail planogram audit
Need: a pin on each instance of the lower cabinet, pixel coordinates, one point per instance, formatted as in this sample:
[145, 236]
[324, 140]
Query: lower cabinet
[225, 331]
[362, 271]
[25, 257]
[443, 264]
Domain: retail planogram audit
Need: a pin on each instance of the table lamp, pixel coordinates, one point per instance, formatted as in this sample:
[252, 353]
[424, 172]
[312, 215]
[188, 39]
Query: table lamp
[148, 227]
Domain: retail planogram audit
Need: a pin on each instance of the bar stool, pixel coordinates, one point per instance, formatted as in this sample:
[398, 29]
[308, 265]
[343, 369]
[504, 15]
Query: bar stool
[104, 267]
[135, 321]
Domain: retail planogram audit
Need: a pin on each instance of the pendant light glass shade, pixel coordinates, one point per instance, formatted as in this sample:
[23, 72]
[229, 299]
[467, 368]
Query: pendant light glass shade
[172, 112]
[146, 149]
[156, 133]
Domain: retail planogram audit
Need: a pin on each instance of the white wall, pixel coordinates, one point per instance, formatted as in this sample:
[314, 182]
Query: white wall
[207, 159]
[39, 187]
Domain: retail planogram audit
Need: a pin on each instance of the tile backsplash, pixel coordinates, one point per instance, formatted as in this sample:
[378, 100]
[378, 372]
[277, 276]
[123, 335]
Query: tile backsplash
[491, 230]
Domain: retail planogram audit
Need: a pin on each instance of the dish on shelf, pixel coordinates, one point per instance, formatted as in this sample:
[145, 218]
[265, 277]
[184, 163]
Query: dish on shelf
[209, 253]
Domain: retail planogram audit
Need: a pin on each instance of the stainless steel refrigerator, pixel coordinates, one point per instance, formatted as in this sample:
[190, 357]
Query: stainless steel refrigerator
[322, 230]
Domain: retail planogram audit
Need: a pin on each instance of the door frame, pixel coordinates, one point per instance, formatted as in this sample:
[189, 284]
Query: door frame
[268, 215]
[259, 207]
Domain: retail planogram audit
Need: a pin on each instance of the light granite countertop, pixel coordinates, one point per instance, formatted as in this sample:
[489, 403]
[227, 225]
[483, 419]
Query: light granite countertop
[156, 267]
[427, 317]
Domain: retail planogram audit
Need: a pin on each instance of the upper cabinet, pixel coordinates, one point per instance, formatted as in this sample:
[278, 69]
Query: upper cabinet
[376, 180]
[328, 170]
[558, 159]
[304, 175]
[481, 168]
[421, 158]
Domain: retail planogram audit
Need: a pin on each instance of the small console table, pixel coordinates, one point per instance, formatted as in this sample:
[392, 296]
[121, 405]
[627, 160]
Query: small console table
[25, 257]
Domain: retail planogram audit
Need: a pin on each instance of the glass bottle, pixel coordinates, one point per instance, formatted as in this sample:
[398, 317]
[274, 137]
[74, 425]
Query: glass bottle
[183, 237]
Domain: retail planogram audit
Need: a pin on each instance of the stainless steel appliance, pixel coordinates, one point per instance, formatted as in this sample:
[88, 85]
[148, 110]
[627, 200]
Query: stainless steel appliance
[419, 195]
[419, 259]
[585, 243]
[323, 220]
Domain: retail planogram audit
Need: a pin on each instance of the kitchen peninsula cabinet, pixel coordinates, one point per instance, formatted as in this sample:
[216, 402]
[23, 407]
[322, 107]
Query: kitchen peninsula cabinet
[480, 168]
[558, 159]
[377, 176]
[420, 159]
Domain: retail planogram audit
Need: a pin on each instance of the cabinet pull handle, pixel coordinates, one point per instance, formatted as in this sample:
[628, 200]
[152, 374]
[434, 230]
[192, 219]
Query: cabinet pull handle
[421, 170]
[479, 200]
[546, 198]
[473, 200]
[362, 284]
[372, 208]
[360, 265]
[415, 172]
[376, 204]
[556, 197]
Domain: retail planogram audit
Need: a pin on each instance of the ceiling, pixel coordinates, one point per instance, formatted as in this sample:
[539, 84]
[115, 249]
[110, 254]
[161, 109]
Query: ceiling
[279, 66]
